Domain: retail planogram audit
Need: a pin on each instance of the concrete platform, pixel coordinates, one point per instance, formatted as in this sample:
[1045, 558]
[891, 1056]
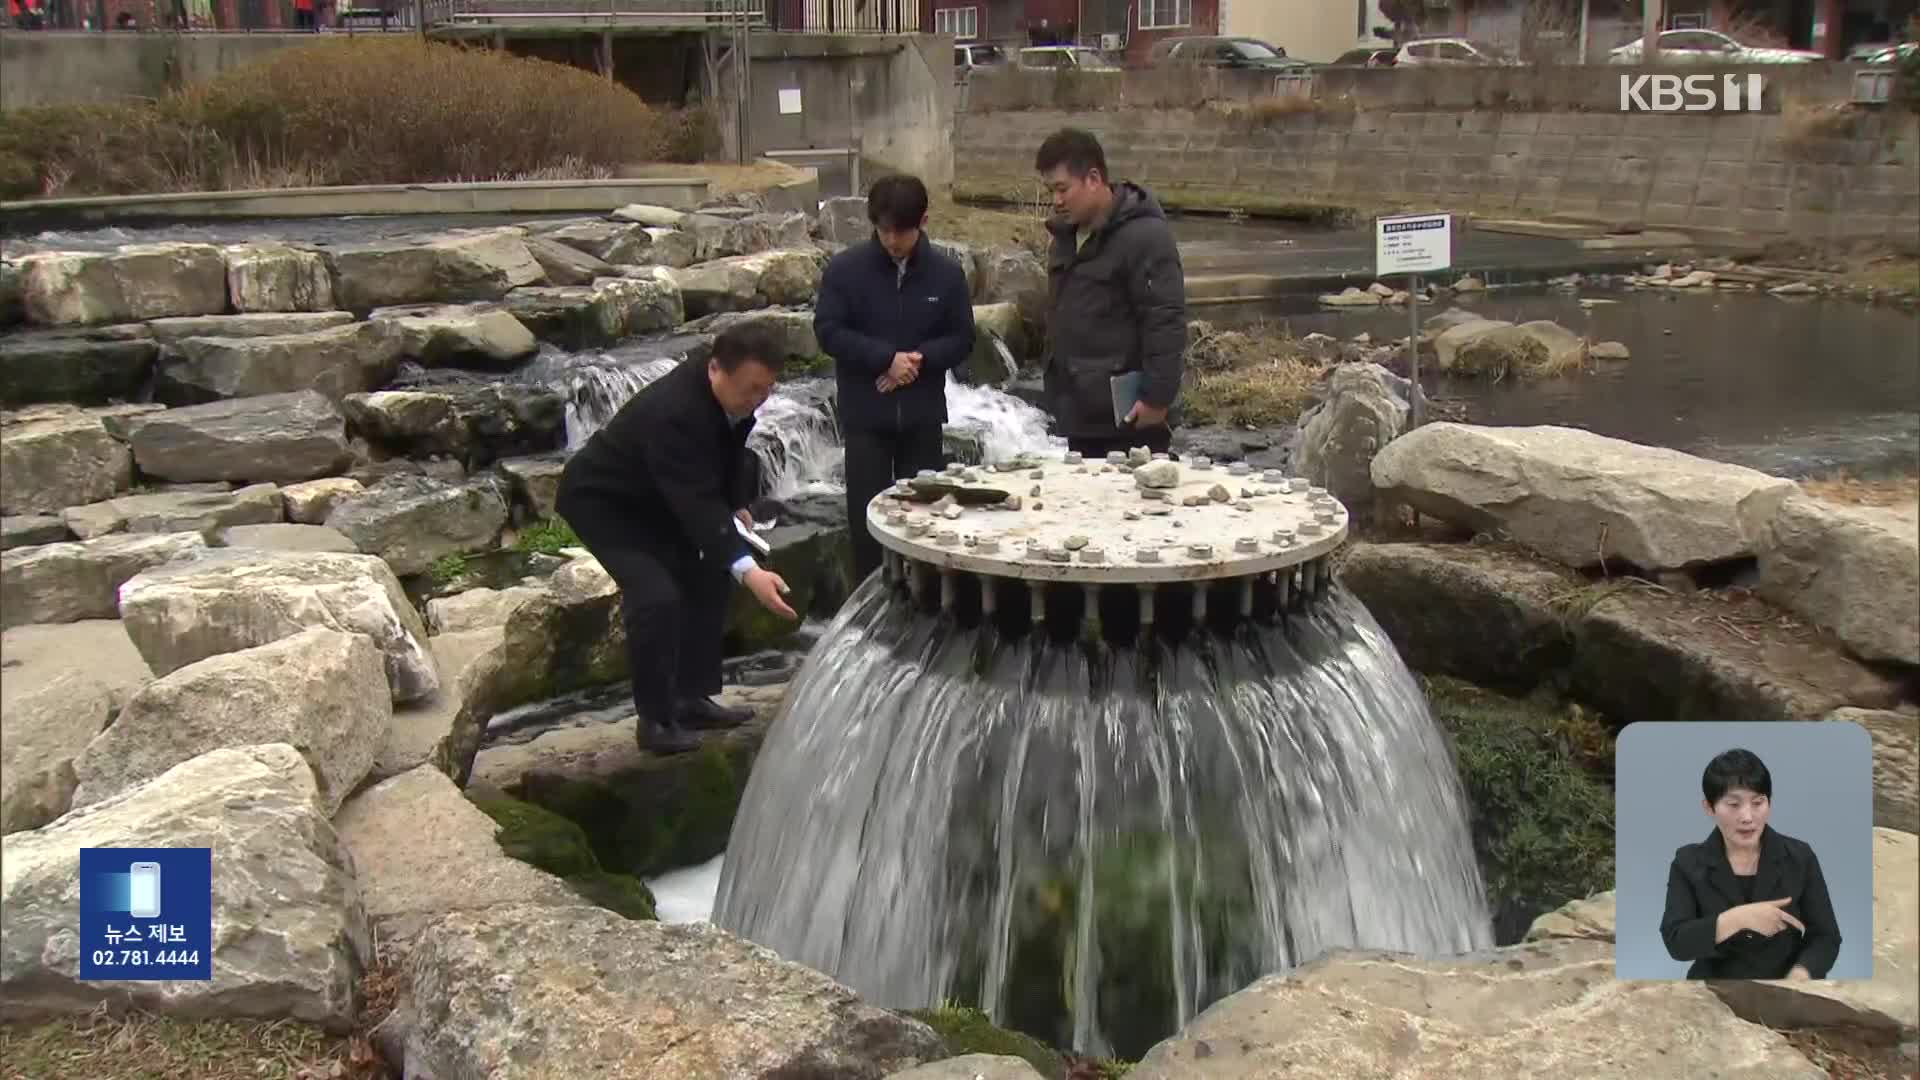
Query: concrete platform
[495, 197]
[1098, 523]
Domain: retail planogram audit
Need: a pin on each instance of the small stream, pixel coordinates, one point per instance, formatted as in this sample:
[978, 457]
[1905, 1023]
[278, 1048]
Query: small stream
[1793, 387]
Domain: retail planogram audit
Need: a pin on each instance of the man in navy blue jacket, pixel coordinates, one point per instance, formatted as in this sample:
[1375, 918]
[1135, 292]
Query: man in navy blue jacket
[896, 316]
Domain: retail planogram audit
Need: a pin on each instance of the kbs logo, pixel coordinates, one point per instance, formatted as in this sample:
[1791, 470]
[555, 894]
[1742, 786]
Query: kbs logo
[1691, 93]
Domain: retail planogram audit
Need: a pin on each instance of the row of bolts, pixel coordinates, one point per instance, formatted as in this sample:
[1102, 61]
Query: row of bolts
[1326, 512]
[1295, 583]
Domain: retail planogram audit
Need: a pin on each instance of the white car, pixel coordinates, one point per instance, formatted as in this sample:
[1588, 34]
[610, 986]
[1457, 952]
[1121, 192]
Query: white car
[1709, 47]
[1063, 57]
[1452, 52]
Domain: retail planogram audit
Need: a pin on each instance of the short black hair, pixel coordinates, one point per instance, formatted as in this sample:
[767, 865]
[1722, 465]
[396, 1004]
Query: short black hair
[749, 341]
[1735, 770]
[897, 202]
[1078, 150]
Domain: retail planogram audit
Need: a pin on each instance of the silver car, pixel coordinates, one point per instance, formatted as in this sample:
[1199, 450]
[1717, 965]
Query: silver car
[1709, 47]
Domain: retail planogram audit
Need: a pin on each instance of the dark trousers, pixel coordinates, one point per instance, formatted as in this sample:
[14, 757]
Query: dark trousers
[1158, 439]
[875, 459]
[674, 606]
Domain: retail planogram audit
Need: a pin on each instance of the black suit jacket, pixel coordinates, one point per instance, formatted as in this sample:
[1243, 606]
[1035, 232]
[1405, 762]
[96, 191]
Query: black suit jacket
[867, 311]
[1701, 885]
[675, 461]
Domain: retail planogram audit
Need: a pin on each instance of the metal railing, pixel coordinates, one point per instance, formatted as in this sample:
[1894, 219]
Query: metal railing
[445, 14]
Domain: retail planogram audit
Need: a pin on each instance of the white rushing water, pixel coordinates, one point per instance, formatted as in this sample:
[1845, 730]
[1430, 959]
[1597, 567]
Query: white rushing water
[797, 437]
[686, 895]
[1094, 843]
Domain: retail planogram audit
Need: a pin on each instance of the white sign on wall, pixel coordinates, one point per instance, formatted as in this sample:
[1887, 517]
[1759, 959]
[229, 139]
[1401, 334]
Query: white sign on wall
[1412, 244]
[789, 102]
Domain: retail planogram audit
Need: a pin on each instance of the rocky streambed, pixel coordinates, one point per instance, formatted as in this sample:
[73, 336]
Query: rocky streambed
[297, 595]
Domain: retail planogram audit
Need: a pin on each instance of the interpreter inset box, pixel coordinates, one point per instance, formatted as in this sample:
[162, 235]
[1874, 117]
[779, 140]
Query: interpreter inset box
[1744, 851]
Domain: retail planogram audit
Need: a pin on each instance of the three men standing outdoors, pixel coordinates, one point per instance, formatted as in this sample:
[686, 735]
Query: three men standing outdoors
[1118, 304]
[896, 316]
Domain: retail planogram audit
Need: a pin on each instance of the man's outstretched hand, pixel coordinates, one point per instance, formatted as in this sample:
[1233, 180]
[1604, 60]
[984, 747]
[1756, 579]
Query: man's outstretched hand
[768, 588]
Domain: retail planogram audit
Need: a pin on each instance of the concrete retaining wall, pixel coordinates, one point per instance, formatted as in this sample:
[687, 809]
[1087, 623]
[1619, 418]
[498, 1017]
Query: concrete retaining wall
[1735, 172]
[55, 68]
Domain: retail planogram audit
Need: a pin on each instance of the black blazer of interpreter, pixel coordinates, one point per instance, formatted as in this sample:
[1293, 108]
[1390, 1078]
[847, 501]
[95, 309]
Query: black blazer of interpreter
[1701, 885]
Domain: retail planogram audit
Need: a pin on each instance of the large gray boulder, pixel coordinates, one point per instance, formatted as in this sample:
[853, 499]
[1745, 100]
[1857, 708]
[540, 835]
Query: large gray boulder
[278, 277]
[251, 325]
[456, 268]
[999, 346]
[64, 684]
[406, 885]
[230, 599]
[617, 243]
[84, 367]
[322, 692]
[459, 335]
[718, 237]
[535, 480]
[204, 512]
[843, 220]
[32, 530]
[1547, 1008]
[412, 520]
[791, 327]
[1018, 278]
[67, 582]
[339, 361]
[971, 1067]
[969, 258]
[746, 282]
[1896, 764]
[312, 502]
[593, 316]
[566, 265]
[53, 457]
[139, 281]
[289, 937]
[494, 994]
[1365, 407]
[475, 423]
[478, 609]
[279, 438]
[1854, 570]
[422, 729]
[1581, 498]
[281, 537]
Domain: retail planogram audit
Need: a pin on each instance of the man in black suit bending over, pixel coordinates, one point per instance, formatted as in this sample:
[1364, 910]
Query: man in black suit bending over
[654, 495]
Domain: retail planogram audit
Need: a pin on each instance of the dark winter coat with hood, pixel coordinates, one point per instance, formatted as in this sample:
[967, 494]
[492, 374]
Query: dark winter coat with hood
[1118, 303]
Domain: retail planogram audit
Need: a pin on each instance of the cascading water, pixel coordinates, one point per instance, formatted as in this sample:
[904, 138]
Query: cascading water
[1088, 820]
[797, 439]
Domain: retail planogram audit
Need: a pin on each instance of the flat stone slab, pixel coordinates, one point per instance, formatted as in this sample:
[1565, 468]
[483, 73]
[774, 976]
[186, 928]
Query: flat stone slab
[406, 885]
[1082, 508]
[1545, 1009]
[62, 685]
[421, 729]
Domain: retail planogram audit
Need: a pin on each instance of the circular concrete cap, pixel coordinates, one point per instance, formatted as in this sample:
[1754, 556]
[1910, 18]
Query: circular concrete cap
[1087, 511]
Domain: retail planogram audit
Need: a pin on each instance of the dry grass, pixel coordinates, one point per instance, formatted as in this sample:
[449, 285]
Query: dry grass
[1255, 378]
[981, 227]
[722, 179]
[348, 111]
[1806, 127]
[1900, 491]
[1851, 1055]
[143, 1047]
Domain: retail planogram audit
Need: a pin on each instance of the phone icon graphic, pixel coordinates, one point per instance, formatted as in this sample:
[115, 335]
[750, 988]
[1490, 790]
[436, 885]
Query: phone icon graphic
[144, 896]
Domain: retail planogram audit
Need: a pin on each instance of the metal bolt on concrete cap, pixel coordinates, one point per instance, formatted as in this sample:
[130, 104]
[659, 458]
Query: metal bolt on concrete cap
[1309, 528]
[1114, 457]
[987, 545]
[1316, 492]
[947, 538]
[1093, 555]
[896, 517]
[1328, 517]
[1239, 468]
[925, 474]
[1286, 487]
[1272, 476]
[1283, 536]
[1147, 555]
[1247, 543]
[1074, 457]
[1202, 462]
[1200, 551]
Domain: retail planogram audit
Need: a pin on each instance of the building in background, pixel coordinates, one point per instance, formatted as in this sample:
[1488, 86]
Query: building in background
[1317, 30]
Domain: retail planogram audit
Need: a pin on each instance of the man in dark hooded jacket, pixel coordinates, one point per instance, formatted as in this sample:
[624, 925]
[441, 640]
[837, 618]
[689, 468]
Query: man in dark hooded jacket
[1118, 303]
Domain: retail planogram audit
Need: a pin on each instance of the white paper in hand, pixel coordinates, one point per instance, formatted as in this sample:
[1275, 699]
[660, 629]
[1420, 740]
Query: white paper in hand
[754, 540]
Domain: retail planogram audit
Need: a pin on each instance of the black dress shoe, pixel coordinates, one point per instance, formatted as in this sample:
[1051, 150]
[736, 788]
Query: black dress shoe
[665, 739]
[705, 714]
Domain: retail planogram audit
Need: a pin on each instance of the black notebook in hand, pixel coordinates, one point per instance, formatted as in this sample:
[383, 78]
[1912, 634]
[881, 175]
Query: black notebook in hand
[1126, 394]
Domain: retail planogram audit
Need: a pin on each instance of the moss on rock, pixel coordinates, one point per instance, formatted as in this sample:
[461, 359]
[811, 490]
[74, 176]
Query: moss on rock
[622, 894]
[1536, 772]
[968, 1031]
[666, 813]
[541, 838]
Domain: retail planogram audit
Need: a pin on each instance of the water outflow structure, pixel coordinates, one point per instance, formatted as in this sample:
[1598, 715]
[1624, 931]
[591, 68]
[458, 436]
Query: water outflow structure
[1101, 744]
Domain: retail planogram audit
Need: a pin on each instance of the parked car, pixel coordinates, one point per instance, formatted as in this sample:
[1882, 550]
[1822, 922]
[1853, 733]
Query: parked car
[1891, 54]
[1373, 58]
[1709, 47]
[1224, 52]
[970, 58]
[1452, 52]
[1064, 57]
